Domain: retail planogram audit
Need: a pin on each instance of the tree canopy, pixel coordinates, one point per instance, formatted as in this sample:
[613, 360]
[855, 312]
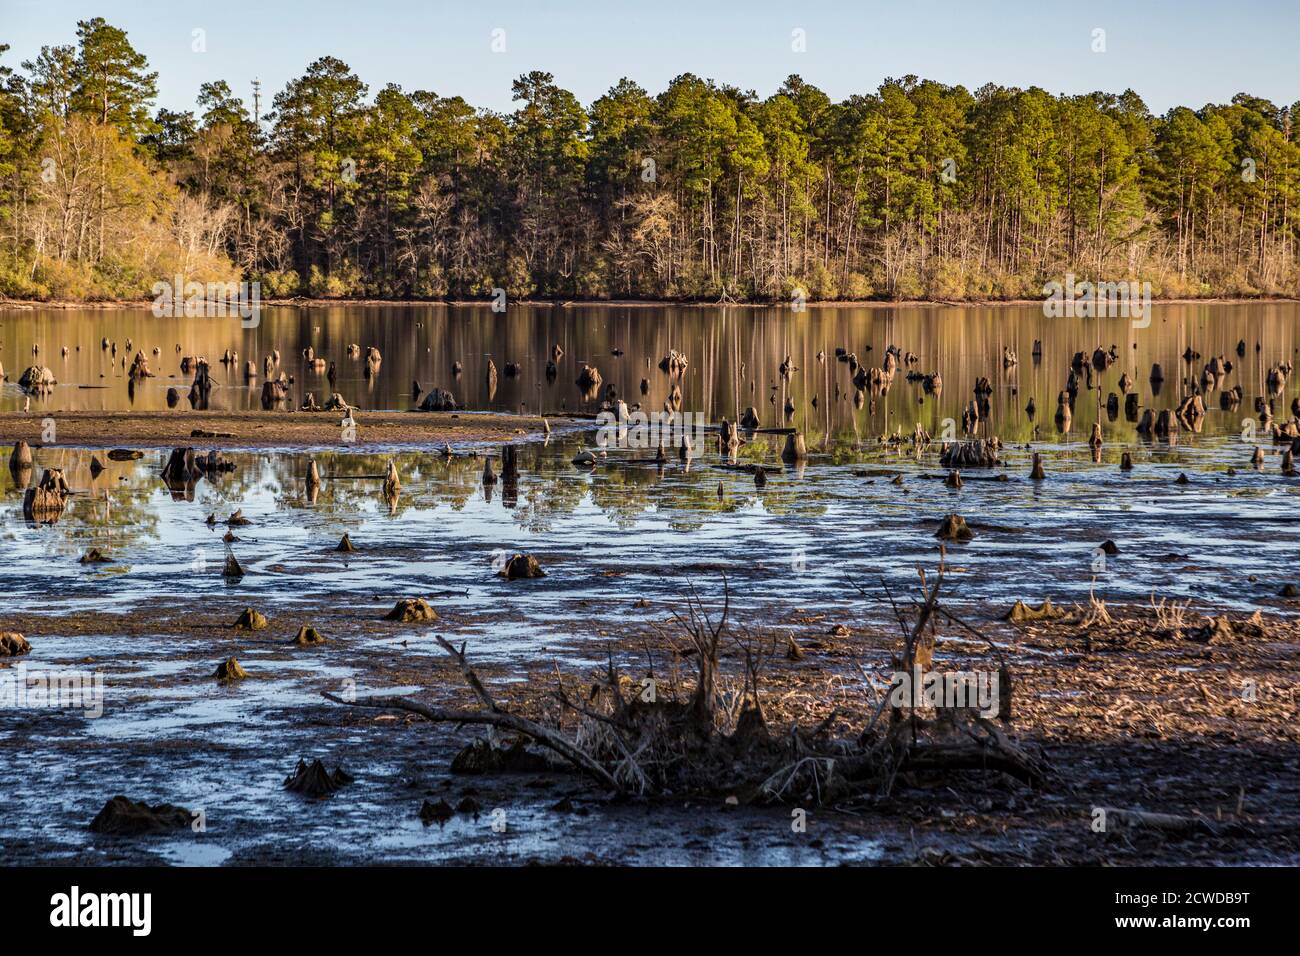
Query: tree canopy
[916, 189]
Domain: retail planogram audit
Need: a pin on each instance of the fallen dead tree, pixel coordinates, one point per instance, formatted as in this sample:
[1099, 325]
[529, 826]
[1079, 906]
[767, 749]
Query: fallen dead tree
[661, 735]
[980, 453]
[914, 740]
[1120, 820]
[491, 715]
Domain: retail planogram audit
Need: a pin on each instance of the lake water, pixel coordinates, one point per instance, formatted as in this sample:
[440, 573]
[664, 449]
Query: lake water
[797, 540]
[622, 544]
[734, 358]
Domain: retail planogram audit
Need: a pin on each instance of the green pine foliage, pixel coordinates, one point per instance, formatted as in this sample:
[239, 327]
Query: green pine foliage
[703, 191]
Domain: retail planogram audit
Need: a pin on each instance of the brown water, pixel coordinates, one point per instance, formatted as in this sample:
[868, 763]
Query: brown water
[734, 356]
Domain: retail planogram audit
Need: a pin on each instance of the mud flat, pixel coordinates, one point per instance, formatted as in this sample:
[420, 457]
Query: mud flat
[233, 430]
[1180, 724]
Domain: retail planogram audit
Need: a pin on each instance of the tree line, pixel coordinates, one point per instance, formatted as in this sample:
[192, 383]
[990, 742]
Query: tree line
[702, 191]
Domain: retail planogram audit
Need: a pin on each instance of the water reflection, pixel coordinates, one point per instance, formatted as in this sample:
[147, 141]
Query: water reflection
[734, 361]
[799, 539]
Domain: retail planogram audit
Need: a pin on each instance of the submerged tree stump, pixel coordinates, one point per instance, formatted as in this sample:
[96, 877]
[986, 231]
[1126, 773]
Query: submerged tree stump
[438, 400]
[201, 387]
[37, 379]
[21, 457]
[509, 463]
[46, 502]
[980, 453]
[796, 449]
[522, 566]
[180, 468]
[954, 528]
[140, 367]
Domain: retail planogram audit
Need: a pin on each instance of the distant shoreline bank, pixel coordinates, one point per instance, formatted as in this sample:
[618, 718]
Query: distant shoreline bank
[248, 430]
[31, 305]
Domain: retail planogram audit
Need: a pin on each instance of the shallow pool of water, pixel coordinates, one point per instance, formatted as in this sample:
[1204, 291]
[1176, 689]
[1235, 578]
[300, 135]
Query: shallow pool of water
[630, 530]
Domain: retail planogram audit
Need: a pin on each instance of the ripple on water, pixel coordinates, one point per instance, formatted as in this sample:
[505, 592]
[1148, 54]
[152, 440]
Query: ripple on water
[626, 532]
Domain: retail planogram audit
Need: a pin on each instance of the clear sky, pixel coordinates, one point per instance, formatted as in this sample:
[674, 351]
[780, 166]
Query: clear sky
[1172, 53]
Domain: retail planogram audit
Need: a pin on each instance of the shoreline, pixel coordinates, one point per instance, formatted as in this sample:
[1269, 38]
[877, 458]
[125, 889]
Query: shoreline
[1144, 703]
[32, 305]
[233, 431]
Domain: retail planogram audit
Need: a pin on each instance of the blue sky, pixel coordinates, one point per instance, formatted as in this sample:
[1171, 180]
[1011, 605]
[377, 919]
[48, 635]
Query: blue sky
[1172, 53]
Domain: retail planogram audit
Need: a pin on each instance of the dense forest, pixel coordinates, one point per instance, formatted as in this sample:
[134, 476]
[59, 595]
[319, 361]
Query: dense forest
[703, 191]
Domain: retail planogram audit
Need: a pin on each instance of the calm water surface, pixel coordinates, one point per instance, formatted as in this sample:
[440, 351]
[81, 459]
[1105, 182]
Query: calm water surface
[734, 358]
[635, 530]
[630, 530]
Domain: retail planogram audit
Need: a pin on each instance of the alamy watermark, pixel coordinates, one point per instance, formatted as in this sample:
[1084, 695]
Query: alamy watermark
[974, 690]
[23, 688]
[75, 909]
[648, 430]
[179, 298]
[1098, 300]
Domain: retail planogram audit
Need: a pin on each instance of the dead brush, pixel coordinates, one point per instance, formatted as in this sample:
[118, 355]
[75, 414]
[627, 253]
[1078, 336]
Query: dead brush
[1171, 617]
[914, 740]
[664, 734]
[710, 735]
[1095, 614]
